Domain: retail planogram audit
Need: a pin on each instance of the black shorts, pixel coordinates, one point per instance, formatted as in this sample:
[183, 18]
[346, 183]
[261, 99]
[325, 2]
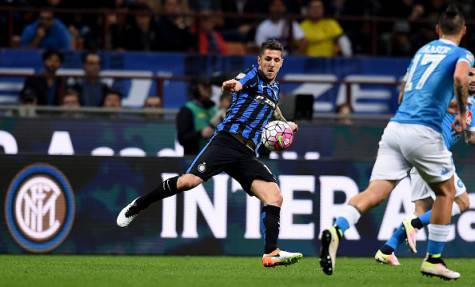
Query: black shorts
[226, 153]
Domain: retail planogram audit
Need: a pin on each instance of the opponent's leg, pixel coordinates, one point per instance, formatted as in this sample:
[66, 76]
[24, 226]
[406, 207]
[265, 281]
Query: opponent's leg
[385, 253]
[439, 229]
[377, 191]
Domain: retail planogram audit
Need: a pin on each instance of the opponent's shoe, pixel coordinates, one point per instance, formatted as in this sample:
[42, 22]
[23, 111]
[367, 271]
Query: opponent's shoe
[389, 259]
[328, 248]
[438, 269]
[127, 214]
[280, 257]
[411, 233]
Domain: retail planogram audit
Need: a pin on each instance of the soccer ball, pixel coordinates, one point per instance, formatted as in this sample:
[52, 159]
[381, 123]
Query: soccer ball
[277, 135]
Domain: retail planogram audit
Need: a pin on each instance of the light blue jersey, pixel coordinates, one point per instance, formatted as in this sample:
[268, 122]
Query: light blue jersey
[429, 84]
[450, 137]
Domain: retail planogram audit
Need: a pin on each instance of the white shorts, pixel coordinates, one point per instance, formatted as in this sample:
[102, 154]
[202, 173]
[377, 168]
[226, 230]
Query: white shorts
[404, 146]
[420, 189]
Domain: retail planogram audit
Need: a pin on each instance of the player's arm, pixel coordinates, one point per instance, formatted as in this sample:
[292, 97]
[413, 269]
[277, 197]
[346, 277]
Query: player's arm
[401, 92]
[243, 80]
[280, 117]
[461, 81]
[402, 86]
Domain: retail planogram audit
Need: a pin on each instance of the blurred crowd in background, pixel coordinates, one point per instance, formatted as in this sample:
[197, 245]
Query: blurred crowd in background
[317, 28]
[313, 28]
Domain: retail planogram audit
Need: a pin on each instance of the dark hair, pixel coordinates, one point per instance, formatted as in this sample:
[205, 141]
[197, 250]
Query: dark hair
[113, 92]
[51, 52]
[271, 44]
[86, 54]
[451, 21]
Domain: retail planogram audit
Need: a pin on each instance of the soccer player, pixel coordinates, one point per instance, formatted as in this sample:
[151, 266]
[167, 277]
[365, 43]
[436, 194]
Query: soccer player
[255, 95]
[413, 138]
[422, 196]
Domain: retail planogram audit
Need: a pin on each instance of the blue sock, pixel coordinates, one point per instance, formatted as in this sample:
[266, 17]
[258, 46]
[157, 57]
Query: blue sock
[342, 223]
[397, 238]
[425, 218]
[435, 247]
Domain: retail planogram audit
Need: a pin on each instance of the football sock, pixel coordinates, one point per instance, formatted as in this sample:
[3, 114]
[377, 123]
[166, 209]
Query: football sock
[421, 221]
[396, 239]
[349, 215]
[167, 188]
[386, 249]
[271, 222]
[437, 237]
[424, 219]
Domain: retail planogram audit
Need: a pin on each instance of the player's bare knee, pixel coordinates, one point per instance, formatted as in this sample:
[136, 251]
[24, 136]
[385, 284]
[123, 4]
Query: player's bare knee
[188, 181]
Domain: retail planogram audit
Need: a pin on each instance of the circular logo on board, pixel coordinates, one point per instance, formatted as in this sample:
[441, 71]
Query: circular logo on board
[39, 208]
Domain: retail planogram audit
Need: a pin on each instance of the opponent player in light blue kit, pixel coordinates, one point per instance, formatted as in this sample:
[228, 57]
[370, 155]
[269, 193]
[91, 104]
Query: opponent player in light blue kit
[423, 196]
[413, 138]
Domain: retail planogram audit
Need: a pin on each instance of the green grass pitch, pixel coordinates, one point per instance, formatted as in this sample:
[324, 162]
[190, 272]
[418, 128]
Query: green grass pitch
[84, 271]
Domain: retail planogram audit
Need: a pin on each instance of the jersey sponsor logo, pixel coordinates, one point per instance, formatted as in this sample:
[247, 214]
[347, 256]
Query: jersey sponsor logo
[39, 208]
[460, 183]
[262, 99]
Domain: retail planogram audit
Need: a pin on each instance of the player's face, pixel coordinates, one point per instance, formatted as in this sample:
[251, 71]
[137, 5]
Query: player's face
[270, 62]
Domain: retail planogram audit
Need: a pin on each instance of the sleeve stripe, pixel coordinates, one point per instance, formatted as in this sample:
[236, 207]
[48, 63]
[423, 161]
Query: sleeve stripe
[250, 75]
[464, 60]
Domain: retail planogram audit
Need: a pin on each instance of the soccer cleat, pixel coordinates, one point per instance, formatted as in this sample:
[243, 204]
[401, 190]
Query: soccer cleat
[390, 259]
[280, 257]
[328, 249]
[411, 233]
[438, 270]
[127, 214]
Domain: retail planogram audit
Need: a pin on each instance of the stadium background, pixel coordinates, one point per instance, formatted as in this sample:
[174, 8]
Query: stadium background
[328, 158]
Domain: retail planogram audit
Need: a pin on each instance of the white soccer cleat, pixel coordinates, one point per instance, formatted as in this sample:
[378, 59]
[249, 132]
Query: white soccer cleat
[280, 257]
[389, 259]
[411, 233]
[127, 214]
[438, 270]
[328, 249]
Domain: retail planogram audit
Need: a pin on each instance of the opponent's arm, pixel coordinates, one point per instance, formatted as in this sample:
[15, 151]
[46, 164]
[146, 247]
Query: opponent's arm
[401, 91]
[461, 81]
[280, 117]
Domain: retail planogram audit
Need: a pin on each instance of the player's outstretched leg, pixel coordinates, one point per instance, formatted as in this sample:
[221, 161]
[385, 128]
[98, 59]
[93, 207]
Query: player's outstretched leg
[167, 188]
[273, 256]
[331, 238]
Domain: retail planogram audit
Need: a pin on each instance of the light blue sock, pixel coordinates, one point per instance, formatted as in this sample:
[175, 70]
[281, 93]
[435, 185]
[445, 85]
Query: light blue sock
[397, 238]
[435, 247]
[342, 223]
[425, 218]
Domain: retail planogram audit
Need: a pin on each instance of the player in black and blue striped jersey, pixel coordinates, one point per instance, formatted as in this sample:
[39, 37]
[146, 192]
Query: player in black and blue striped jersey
[232, 149]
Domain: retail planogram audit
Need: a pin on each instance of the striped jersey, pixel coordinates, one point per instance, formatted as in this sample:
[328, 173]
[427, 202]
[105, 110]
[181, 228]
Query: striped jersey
[450, 137]
[252, 107]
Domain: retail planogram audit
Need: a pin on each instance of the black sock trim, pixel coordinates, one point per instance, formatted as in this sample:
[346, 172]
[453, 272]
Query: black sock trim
[435, 260]
[417, 223]
[386, 249]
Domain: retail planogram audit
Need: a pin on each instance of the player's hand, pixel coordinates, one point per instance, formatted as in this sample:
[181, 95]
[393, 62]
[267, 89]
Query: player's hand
[452, 109]
[460, 123]
[293, 126]
[207, 132]
[231, 86]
